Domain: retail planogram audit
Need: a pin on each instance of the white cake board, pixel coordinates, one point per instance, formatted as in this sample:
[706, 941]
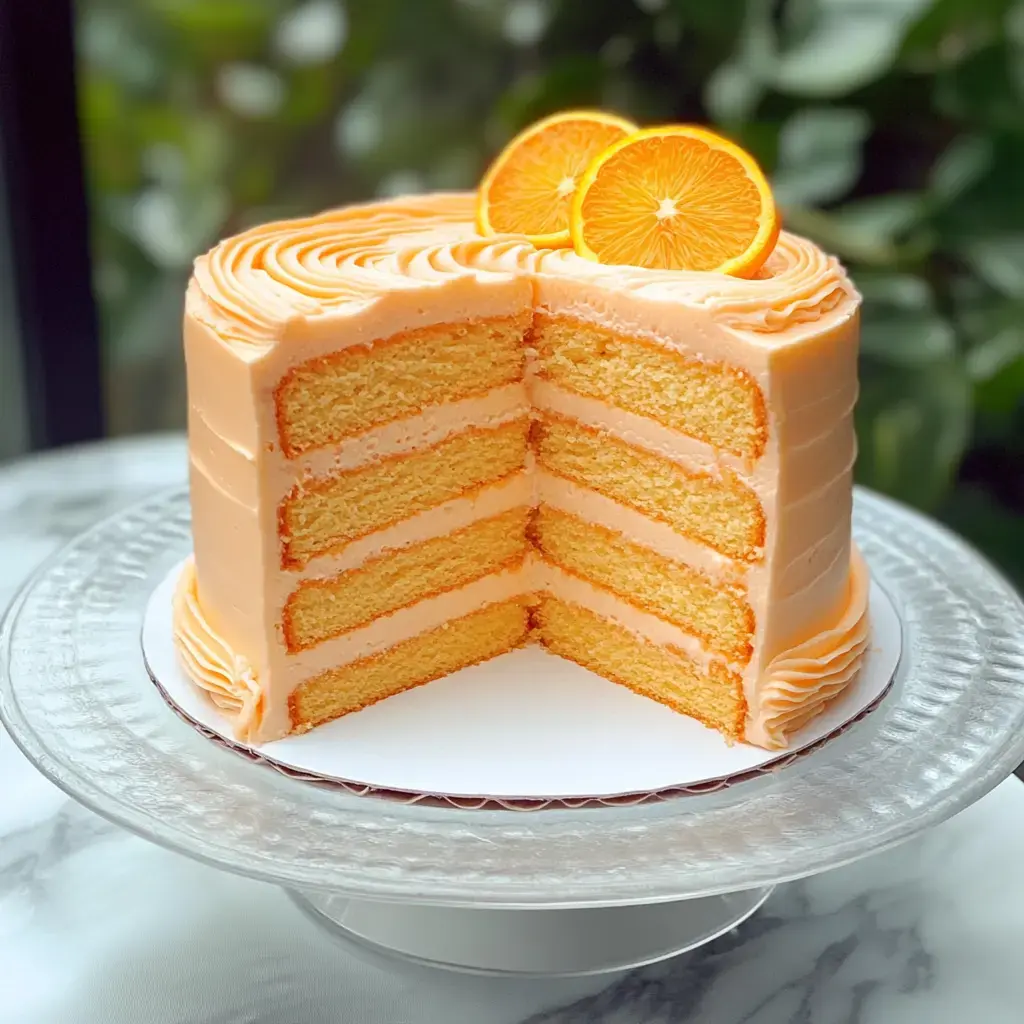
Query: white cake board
[527, 726]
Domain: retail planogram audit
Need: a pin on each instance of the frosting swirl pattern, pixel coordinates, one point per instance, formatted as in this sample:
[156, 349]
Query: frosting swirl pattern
[249, 286]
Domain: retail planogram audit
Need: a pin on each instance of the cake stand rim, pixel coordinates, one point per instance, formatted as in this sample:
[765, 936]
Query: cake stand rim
[574, 894]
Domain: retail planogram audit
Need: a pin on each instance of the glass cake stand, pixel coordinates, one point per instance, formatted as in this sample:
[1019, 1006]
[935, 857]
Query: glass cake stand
[502, 891]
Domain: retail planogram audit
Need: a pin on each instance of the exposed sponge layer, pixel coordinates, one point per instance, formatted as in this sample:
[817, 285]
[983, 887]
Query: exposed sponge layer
[325, 400]
[722, 513]
[320, 609]
[716, 613]
[717, 404]
[325, 514]
[484, 634]
[665, 675]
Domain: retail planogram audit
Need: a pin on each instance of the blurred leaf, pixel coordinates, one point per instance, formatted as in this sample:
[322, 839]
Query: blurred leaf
[906, 337]
[487, 16]
[850, 45]
[207, 148]
[1000, 261]
[868, 231]
[233, 23]
[718, 22]
[896, 222]
[1013, 21]
[1000, 402]
[989, 358]
[525, 21]
[819, 157]
[797, 18]
[903, 291]
[250, 91]
[992, 207]
[961, 165]
[312, 33]
[913, 426]
[995, 330]
[456, 168]
[311, 96]
[106, 115]
[668, 29]
[732, 93]
[254, 182]
[574, 81]
[758, 49]
[900, 324]
[733, 90]
[171, 227]
[110, 43]
[985, 89]
[152, 317]
[833, 235]
[948, 31]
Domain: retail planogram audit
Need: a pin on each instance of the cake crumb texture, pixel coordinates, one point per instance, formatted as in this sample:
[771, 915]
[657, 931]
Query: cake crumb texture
[484, 634]
[719, 405]
[722, 513]
[325, 400]
[661, 673]
[324, 515]
[323, 608]
[716, 613]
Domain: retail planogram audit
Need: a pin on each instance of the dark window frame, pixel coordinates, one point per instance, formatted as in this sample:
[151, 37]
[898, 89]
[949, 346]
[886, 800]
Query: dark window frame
[48, 223]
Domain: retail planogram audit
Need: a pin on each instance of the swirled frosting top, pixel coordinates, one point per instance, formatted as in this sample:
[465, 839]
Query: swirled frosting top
[249, 286]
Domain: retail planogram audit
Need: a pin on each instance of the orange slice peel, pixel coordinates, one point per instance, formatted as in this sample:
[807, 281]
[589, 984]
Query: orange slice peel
[675, 198]
[528, 190]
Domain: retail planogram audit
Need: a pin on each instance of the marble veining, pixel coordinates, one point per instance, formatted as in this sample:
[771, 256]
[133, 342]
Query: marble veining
[100, 927]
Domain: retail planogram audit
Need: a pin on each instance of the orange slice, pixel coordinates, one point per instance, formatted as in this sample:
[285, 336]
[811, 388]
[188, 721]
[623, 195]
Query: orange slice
[529, 188]
[675, 198]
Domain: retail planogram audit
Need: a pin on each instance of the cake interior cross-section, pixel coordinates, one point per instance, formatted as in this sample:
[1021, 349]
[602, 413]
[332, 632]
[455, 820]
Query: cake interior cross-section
[414, 449]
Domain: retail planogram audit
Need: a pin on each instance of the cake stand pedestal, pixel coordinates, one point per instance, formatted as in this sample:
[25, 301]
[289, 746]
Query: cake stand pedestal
[529, 943]
[518, 893]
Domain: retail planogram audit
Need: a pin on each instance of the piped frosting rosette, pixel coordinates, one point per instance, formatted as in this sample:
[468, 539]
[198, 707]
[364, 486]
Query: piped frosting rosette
[251, 285]
[801, 680]
[226, 676]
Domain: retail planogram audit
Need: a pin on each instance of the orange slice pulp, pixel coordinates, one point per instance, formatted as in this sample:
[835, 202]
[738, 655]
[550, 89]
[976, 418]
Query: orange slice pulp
[529, 188]
[675, 198]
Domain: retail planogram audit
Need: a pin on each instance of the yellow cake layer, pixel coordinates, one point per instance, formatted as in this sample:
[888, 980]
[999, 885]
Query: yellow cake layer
[493, 630]
[661, 673]
[717, 404]
[715, 613]
[325, 400]
[325, 514]
[320, 609]
[722, 513]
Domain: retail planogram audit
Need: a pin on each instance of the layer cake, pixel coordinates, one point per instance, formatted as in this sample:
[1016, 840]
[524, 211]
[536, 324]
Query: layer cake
[414, 448]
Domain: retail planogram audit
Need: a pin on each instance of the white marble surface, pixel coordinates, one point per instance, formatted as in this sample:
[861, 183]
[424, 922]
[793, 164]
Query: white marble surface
[99, 927]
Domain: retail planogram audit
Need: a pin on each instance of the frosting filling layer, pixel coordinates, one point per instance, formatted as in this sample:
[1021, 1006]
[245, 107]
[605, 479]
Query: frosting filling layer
[798, 683]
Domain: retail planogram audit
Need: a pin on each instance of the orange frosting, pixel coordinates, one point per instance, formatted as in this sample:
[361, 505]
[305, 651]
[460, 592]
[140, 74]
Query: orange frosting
[287, 292]
[250, 286]
[226, 676]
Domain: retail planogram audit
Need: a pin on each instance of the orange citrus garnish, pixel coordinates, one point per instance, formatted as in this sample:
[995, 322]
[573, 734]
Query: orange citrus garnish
[529, 188]
[675, 198]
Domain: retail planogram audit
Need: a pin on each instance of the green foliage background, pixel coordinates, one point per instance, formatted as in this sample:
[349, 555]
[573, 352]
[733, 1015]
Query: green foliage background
[894, 131]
